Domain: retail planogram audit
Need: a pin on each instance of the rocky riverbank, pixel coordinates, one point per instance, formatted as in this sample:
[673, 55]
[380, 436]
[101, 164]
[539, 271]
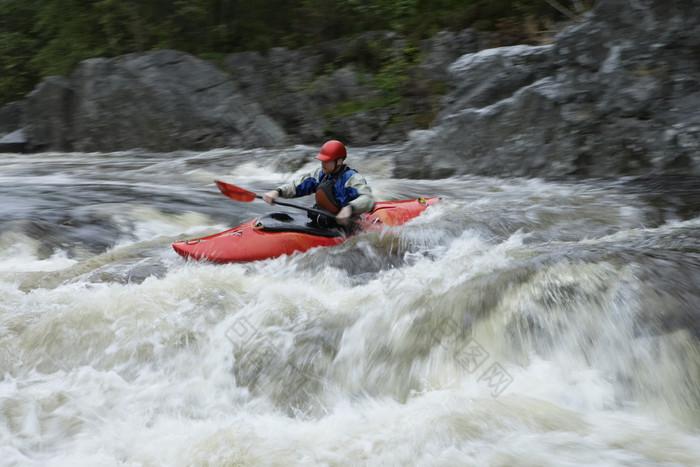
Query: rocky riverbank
[374, 88]
[616, 94]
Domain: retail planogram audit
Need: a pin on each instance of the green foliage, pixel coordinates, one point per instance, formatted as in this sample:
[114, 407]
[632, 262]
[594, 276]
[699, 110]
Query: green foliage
[395, 72]
[391, 72]
[17, 45]
[70, 33]
[17, 75]
[44, 37]
[353, 106]
[385, 14]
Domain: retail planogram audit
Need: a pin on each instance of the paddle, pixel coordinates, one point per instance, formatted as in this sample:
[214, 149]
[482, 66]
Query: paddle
[245, 196]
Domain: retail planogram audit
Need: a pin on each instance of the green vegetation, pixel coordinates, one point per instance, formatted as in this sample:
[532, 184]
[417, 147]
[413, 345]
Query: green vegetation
[353, 106]
[39, 38]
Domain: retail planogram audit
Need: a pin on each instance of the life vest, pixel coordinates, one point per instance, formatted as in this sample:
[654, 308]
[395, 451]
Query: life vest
[330, 186]
[325, 199]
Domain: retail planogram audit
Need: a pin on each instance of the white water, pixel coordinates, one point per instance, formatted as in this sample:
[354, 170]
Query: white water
[518, 322]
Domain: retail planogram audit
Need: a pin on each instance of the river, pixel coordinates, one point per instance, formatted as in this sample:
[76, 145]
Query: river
[517, 322]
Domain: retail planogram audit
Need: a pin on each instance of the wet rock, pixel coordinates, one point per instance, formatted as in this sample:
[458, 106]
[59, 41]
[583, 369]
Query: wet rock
[279, 82]
[13, 142]
[164, 100]
[308, 90]
[486, 77]
[168, 100]
[331, 89]
[11, 117]
[444, 48]
[617, 94]
[48, 115]
[12, 137]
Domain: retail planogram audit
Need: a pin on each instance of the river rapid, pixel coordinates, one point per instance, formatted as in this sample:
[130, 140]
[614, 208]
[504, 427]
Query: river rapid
[517, 322]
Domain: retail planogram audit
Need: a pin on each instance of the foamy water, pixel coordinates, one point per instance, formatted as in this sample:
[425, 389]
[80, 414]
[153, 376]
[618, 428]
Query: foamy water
[518, 322]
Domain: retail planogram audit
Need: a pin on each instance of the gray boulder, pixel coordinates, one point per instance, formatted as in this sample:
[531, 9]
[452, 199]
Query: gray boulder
[164, 100]
[12, 138]
[617, 94]
[13, 142]
[488, 76]
[49, 110]
[332, 89]
[444, 48]
[11, 117]
[293, 87]
[279, 82]
[168, 100]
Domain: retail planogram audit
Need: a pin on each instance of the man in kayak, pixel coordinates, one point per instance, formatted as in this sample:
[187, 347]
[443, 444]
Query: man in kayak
[339, 189]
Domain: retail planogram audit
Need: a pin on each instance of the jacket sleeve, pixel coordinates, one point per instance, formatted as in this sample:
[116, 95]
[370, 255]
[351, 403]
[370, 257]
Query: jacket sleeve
[365, 199]
[301, 186]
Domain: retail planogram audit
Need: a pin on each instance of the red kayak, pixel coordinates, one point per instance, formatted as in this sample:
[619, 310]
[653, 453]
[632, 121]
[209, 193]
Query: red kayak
[280, 234]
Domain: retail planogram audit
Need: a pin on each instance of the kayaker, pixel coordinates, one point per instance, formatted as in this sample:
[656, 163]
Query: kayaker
[339, 189]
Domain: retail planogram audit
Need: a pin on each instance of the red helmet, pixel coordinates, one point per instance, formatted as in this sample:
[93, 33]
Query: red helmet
[331, 151]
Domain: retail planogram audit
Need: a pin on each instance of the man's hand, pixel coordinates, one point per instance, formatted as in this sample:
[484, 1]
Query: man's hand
[343, 217]
[271, 196]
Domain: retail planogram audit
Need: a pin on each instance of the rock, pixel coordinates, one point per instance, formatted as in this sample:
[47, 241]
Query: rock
[485, 77]
[330, 89]
[167, 100]
[163, 101]
[617, 94]
[279, 83]
[11, 117]
[289, 86]
[360, 127]
[12, 138]
[49, 111]
[443, 49]
[13, 142]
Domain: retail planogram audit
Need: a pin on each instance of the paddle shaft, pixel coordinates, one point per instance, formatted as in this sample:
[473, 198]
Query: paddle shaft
[291, 205]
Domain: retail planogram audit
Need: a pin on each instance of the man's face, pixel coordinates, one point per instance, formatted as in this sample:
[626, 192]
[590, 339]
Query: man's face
[331, 166]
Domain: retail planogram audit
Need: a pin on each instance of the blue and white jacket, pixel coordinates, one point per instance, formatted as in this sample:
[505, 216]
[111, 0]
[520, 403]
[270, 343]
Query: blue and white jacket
[350, 188]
